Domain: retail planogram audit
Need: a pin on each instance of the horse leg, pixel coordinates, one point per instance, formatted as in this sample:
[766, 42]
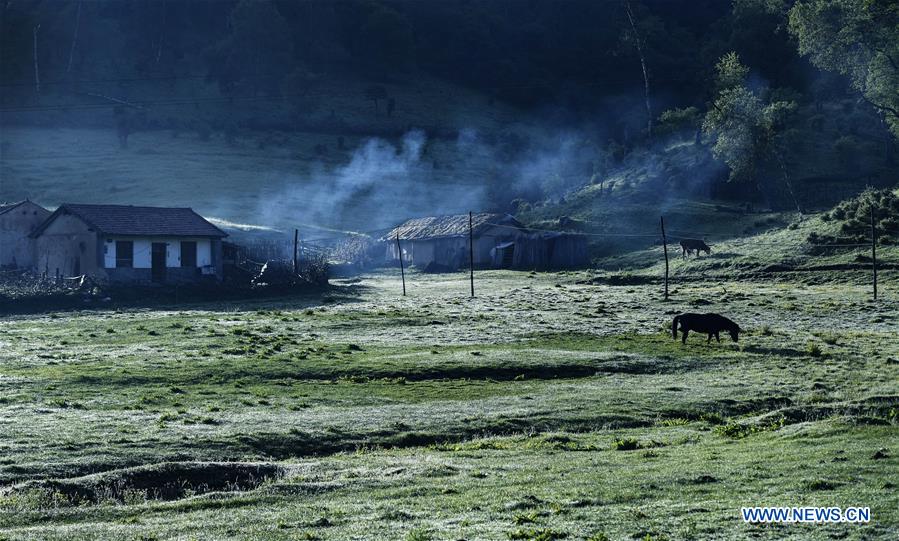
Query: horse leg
[686, 331]
[709, 341]
[718, 338]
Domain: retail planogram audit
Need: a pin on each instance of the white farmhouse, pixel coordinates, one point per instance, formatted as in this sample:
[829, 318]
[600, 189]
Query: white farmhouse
[128, 244]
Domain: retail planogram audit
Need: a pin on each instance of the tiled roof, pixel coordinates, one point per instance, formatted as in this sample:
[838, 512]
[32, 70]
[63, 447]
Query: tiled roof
[133, 221]
[6, 207]
[450, 226]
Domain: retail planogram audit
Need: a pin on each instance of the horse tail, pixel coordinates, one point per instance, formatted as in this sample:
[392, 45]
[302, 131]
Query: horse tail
[674, 327]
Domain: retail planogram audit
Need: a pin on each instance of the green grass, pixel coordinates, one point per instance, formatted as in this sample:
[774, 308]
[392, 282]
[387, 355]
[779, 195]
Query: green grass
[545, 408]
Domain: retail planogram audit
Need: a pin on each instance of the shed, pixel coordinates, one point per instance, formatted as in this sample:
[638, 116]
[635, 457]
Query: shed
[544, 251]
[17, 222]
[441, 242]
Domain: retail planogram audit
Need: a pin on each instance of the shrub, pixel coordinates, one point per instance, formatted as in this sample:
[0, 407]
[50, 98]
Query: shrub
[625, 444]
[712, 418]
[734, 430]
[854, 218]
[814, 350]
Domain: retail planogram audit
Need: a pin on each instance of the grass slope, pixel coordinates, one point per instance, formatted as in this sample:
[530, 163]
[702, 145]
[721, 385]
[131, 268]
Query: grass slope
[772, 252]
[544, 408]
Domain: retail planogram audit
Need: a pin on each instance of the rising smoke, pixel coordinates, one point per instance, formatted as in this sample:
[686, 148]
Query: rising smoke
[381, 183]
[384, 183]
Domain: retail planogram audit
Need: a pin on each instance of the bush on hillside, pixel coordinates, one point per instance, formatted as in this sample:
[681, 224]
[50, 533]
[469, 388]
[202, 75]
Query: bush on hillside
[854, 219]
[679, 120]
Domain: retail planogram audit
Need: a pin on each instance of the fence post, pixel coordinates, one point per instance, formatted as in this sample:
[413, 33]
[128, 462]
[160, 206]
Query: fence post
[296, 238]
[874, 251]
[399, 251]
[665, 248]
[471, 252]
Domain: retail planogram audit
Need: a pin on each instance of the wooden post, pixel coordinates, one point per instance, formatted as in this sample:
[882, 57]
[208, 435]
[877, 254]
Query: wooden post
[665, 248]
[296, 238]
[399, 251]
[874, 251]
[471, 251]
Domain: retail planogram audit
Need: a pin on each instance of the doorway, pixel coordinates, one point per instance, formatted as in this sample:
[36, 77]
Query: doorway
[157, 262]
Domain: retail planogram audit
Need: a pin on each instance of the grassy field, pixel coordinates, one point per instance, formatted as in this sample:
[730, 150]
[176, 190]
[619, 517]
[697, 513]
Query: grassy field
[545, 408]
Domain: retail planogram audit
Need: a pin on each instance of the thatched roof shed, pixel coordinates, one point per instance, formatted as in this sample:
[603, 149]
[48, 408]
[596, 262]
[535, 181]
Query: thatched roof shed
[439, 227]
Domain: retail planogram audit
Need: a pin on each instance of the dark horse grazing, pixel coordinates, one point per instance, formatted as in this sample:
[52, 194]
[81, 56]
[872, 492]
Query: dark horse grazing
[694, 245]
[711, 324]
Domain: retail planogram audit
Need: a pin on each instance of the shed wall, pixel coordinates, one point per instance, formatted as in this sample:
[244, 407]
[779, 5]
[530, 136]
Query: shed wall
[17, 249]
[67, 247]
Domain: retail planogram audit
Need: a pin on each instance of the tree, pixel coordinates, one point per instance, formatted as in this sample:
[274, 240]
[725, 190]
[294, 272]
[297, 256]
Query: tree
[746, 126]
[858, 39]
[386, 41]
[257, 52]
[730, 72]
[640, 46]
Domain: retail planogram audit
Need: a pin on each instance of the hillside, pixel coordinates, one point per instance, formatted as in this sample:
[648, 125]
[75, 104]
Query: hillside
[810, 247]
[680, 179]
[343, 164]
[448, 151]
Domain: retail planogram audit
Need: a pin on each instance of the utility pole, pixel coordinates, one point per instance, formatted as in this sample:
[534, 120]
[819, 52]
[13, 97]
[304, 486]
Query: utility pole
[296, 238]
[665, 248]
[874, 251]
[399, 250]
[471, 251]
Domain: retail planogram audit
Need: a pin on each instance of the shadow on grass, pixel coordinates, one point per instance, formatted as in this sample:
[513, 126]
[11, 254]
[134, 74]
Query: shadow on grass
[165, 481]
[214, 299]
[296, 443]
[488, 370]
[779, 351]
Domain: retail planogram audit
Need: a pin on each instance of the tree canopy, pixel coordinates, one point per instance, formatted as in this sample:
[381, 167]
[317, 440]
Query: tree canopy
[858, 39]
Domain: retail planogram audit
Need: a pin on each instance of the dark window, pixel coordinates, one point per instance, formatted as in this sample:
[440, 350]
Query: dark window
[188, 253]
[124, 254]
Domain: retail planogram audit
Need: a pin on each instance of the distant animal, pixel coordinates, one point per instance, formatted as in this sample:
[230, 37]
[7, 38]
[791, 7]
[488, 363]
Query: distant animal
[694, 245]
[711, 324]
